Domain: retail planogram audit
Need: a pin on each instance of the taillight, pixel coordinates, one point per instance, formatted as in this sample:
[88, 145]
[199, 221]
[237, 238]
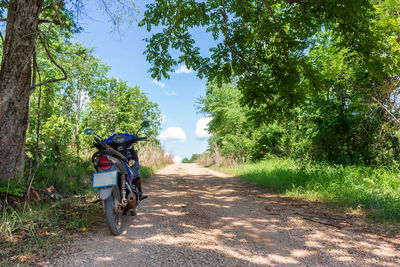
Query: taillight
[104, 163]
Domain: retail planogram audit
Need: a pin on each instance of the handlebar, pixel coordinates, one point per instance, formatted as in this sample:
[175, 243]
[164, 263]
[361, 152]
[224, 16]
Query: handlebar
[99, 143]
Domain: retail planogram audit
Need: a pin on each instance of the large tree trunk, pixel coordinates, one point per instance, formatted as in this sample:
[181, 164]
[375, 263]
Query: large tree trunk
[15, 83]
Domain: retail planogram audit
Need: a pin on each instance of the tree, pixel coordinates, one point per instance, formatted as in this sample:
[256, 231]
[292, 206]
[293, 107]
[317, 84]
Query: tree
[117, 107]
[263, 45]
[56, 123]
[15, 82]
[23, 19]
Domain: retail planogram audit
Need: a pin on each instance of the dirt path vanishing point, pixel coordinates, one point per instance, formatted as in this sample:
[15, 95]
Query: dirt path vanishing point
[198, 217]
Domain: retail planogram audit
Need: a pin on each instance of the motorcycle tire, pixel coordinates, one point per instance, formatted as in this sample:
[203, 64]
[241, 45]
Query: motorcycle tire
[115, 219]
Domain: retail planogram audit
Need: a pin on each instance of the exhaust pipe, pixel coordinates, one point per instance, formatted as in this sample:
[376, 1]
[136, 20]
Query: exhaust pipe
[132, 200]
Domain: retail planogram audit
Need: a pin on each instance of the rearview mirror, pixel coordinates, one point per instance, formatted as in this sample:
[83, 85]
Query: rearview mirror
[89, 131]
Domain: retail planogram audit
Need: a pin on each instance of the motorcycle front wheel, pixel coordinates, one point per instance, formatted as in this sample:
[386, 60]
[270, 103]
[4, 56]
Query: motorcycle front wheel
[115, 218]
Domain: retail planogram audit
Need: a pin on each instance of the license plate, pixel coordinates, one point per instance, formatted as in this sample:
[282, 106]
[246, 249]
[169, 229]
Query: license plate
[104, 179]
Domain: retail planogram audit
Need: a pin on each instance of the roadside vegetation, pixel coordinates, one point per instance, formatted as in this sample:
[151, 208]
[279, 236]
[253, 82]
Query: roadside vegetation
[337, 137]
[303, 98]
[360, 188]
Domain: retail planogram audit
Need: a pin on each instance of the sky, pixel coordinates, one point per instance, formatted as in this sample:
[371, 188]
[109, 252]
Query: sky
[183, 128]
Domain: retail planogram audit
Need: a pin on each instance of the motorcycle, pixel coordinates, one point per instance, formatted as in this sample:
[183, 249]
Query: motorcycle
[117, 168]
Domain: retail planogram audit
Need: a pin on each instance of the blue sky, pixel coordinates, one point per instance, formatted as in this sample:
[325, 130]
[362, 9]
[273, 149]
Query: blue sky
[176, 97]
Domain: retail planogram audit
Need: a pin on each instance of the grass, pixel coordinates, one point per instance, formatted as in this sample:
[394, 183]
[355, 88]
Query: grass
[376, 191]
[30, 236]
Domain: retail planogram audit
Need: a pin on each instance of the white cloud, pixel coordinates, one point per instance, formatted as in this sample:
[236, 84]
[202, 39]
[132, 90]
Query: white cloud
[158, 83]
[173, 134]
[183, 69]
[201, 128]
[170, 93]
[177, 159]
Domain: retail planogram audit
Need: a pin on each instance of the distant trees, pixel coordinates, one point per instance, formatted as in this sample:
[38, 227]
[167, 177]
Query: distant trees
[87, 98]
[340, 126]
[192, 158]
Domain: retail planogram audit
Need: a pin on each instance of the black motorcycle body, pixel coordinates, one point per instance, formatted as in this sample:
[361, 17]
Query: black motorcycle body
[117, 167]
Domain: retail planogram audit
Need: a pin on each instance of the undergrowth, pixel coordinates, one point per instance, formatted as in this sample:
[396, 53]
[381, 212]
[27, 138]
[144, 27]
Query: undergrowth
[375, 191]
[61, 203]
[31, 236]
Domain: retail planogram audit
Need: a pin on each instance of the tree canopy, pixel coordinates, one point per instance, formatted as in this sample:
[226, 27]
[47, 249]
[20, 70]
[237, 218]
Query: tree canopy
[264, 46]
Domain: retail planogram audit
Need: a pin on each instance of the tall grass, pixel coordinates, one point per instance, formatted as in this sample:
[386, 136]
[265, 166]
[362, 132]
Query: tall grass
[151, 158]
[373, 190]
[215, 159]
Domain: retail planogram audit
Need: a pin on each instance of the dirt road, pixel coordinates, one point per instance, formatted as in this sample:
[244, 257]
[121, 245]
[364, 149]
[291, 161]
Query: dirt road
[198, 217]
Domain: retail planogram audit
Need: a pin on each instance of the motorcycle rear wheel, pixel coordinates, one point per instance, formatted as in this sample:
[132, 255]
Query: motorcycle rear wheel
[115, 218]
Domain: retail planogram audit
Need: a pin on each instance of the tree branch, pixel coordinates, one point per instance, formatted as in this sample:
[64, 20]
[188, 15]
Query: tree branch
[46, 48]
[177, 13]
[271, 12]
[227, 42]
[176, 18]
[51, 22]
[387, 110]
[57, 13]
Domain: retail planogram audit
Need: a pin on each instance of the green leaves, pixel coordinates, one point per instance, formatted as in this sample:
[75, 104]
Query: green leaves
[117, 107]
[265, 44]
[88, 98]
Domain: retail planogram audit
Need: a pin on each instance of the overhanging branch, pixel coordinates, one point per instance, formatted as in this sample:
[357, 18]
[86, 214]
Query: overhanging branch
[227, 42]
[57, 13]
[271, 12]
[45, 44]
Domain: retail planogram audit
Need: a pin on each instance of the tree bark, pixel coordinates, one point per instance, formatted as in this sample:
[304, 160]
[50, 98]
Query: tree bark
[15, 83]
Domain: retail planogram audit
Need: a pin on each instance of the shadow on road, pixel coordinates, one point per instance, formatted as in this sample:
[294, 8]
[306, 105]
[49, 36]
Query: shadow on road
[200, 217]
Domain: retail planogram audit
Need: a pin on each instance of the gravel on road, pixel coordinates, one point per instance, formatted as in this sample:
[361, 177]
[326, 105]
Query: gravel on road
[195, 216]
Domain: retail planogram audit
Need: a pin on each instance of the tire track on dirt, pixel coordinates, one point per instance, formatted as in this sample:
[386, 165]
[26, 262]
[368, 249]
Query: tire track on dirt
[195, 216]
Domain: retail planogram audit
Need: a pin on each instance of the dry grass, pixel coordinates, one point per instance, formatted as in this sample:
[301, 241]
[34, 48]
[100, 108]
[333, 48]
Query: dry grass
[215, 159]
[153, 156]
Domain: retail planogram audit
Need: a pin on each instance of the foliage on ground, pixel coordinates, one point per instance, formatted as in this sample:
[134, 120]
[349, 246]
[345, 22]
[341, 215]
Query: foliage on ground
[59, 206]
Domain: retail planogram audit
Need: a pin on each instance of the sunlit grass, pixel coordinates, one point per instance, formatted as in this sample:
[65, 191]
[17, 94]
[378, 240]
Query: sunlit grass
[373, 190]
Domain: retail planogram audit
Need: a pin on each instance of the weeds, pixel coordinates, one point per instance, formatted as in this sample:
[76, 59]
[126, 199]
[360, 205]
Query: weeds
[30, 236]
[375, 191]
[151, 158]
[215, 159]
